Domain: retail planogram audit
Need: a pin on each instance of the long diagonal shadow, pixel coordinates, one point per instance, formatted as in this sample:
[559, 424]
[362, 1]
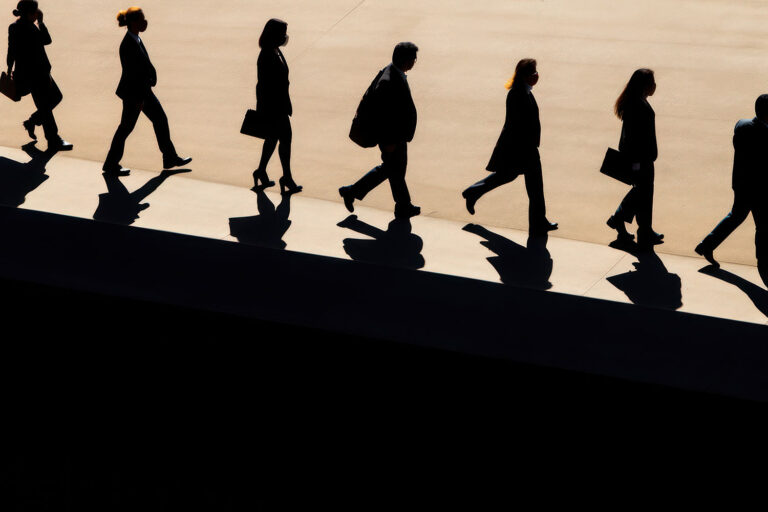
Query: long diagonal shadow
[119, 206]
[397, 246]
[18, 179]
[650, 284]
[529, 266]
[268, 227]
[757, 294]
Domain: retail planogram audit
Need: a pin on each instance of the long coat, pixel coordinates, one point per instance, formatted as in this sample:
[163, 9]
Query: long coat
[518, 143]
[139, 75]
[26, 48]
[272, 96]
[638, 132]
[396, 112]
[750, 158]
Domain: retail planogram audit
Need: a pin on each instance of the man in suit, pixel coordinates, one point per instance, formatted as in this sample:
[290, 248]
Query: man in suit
[396, 116]
[27, 39]
[135, 89]
[750, 176]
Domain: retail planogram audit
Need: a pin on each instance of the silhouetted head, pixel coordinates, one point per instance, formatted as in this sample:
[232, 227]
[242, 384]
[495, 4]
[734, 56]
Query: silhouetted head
[133, 18]
[761, 107]
[275, 34]
[641, 85]
[26, 9]
[404, 55]
[525, 74]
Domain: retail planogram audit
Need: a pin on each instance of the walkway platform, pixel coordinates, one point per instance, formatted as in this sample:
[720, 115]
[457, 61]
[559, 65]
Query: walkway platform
[479, 289]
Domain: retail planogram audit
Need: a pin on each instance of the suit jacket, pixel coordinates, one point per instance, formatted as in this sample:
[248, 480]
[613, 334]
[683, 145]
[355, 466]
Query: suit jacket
[750, 159]
[395, 110]
[26, 48]
[638, 132]
[139, 75]
[272, 86]
[520, 137]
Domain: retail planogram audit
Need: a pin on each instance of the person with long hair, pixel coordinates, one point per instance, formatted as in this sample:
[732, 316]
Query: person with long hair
[274, 104]
[135, 89]
[27, 39]
[517, 149]
[638, 146]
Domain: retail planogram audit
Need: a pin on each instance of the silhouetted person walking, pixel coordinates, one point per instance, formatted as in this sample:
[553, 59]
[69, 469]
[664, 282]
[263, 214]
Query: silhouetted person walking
[135, 89]
[750, 166]
[638, 145]
[395, 114]
[273, 103]
[517, 150]
[27, 39]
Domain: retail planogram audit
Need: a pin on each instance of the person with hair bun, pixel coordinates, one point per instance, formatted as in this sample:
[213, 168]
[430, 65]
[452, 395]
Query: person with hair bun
[517, 149]
[135, 89]
[27, 39]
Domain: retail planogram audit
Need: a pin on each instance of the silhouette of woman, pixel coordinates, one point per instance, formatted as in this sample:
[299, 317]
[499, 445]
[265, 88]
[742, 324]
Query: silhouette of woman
[274, 105]
[26, 49]
[135, 89]
[638, 145]
[517, 150]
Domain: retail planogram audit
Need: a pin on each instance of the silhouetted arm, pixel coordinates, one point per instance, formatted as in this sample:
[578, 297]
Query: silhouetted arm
[45, 37]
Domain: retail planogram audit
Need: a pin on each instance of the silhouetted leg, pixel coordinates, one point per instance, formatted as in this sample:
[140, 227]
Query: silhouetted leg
[626, 210]
[370, 180]
[760, 214]
[644, 199]
[284, 152]
[490, 182]
[155, 113]
[131, 111]
[395, 164]
[534, 185]
[737, 215]
[43, 96]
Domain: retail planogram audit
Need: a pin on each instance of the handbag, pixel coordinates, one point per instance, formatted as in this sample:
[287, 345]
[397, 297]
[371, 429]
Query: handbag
[254, 124]
[8, 86]
[617, 167]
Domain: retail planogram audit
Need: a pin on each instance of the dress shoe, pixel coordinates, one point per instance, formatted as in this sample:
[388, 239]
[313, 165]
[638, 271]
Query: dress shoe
[618, 225]
[60, 145]
[30, 127]
[406, 211]
[115, 170]
[470, 201]
[649, 238]
[291, 189]
[349, 199]
[705, 251]
[177, 161]
[543, 227]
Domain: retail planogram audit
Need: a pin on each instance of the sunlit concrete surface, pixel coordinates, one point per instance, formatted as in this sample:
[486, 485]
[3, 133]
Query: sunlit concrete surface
[305, 224]
[709, 58]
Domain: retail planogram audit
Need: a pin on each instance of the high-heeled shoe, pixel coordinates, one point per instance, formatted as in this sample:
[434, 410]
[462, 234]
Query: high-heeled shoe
[265, 181]
[292, 189]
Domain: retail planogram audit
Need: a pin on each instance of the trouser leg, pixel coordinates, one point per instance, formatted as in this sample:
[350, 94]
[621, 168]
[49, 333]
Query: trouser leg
[737, 215]
[155, 113]
[371, 179]
[490, 182]
[534, 185]
[760, 214]
[44, 97]
[131, 111]
[644, 204]
[395, 164]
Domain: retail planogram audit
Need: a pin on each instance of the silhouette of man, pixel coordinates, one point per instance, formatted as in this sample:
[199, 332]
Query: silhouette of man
[135, 89]
[396, 114]
[750, 144]
[27, 39]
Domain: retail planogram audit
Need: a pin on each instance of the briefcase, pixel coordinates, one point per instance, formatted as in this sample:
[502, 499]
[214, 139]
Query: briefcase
[617, 167]
[254, 124]
[8, 87]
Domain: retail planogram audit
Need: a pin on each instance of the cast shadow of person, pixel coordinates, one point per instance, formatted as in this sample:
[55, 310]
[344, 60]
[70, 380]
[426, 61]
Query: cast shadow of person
[118, 206]
[397, 246]
[529, 266]
[19, 179]
[757, 294]
[268, 227]
[650, 284]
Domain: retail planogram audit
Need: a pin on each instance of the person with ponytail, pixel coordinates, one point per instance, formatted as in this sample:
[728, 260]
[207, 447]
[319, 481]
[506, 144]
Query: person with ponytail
[638, 145]
[27, 39]
[135, 89]
[517, 149]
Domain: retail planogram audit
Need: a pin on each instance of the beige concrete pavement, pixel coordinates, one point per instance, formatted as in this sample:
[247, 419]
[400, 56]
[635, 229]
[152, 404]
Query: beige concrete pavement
[186, 205]
[710, 60]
